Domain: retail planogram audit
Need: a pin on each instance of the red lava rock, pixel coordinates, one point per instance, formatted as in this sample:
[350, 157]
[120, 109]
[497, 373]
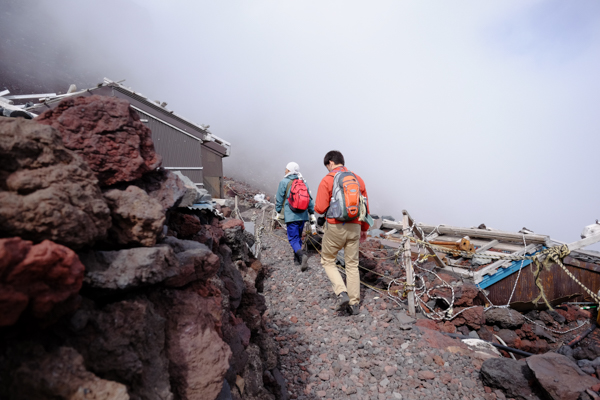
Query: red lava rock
[382, 305]
[284, 351]
[36, 277]
[438, 360]
[447, 327]
[256, 265]
[466, 295]
[321, 393]
[47, 192]
[294, 319]
[596, 388]
[425, 375]
[185, 225]
[433, 339]
[232, 223]
[108, 134]
[474, 317]
[428, 323]
[487, 389]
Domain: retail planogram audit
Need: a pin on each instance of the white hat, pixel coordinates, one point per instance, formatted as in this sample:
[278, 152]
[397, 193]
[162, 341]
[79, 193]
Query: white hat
[293, 167]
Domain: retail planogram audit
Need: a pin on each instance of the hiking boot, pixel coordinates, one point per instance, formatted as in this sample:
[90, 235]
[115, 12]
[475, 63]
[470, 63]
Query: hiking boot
[297, 259]
[354, 309]
[304, 262]
[342, 301]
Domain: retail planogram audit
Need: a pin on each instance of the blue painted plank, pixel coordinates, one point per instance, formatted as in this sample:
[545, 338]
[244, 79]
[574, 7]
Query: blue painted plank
[502, 273]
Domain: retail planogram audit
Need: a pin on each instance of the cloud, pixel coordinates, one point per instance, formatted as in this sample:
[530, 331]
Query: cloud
[461, 113]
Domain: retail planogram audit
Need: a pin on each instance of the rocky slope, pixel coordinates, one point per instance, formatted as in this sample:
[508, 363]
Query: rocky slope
[107, 280]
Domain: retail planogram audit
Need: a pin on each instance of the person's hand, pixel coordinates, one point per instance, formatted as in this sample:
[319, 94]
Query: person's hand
[363, 236]
[321, 221]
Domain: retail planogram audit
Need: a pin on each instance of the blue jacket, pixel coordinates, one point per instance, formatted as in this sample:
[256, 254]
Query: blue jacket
[289, 215]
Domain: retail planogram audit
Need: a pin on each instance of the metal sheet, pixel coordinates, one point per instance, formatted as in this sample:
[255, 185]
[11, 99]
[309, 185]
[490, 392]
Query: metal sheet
[555, 281]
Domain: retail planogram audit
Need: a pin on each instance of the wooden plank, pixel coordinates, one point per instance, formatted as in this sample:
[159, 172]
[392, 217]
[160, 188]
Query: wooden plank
[409, 269]
[492, 268]
[418, 235]
[487, 246]
[475, 233]
[584, 242]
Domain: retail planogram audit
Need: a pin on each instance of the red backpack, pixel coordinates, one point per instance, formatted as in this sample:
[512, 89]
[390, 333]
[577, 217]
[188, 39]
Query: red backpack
[298, 197]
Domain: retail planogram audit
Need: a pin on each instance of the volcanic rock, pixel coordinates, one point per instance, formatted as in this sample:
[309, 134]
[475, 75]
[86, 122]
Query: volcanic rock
[162, 185]
[504, 317]
[108, 134]
[198, 356]
[36, 277]
[137, 218]
[560, 377]
[46, 190]
[196, 264]
[513, 377]
[130, 268]
[126, 342]
[61, 375]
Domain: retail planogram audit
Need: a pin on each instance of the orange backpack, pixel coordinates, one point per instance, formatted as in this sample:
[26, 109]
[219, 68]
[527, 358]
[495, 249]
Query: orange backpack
[345, 197]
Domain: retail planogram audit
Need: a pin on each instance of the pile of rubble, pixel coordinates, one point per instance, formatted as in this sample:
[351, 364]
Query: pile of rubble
[112, 284]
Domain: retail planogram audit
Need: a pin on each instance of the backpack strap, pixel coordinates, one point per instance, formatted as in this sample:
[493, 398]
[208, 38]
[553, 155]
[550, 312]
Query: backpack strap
[287, 191]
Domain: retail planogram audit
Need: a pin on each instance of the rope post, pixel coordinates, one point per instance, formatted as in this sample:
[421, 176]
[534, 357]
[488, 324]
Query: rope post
[408, 265]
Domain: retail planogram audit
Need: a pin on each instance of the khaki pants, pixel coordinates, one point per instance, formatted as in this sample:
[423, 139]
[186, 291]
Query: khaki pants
[342, 236]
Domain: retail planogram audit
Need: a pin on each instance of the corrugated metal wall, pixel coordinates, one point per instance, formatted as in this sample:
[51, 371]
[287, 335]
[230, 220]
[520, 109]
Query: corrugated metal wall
[177, 149]
[213, 172]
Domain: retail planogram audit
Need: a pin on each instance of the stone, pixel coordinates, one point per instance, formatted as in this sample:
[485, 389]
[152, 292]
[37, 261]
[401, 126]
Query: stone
[427, 323]
[465, 295]
[137, 218]
[504, 317]
[126, 341]
[513, 377]
[199, 263]
[474, 317]
[425, 375]
[129, 268]
[47, 192]
[404, 319]
[560, 377]
[62, 375]
[253, 376]
[163, 186]
[510, 338]
[108, 134]
[198, 356]
[37, 278]
[186, 225]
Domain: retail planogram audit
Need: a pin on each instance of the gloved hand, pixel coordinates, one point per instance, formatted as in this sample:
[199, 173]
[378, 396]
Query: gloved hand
[312, 218]
[321, 221]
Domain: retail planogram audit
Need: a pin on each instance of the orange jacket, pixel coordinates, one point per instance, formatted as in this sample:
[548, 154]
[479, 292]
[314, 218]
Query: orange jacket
[324, 197]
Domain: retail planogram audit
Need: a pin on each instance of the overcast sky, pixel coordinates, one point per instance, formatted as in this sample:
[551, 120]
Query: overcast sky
[462, 112]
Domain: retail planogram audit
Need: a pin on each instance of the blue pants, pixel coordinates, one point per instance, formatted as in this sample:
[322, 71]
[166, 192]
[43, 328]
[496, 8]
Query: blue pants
[294, 232]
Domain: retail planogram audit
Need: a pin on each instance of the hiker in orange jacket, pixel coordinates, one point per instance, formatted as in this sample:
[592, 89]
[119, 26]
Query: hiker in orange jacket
[341, 235]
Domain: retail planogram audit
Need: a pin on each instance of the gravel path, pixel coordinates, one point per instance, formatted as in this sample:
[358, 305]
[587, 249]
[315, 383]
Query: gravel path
[331, 355]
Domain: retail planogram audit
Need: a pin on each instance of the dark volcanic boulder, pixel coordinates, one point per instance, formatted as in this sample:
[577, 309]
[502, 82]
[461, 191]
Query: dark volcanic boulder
[162, 185]
[504, 317]
[560, 377]
[46, 190]
[108, 134]
[511, 376]
[37, 278]
[125, 342]
[130, 268]
[61, 375]
[137, 218]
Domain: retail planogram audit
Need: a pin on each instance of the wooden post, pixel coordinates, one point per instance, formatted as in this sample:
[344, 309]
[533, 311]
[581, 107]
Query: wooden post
[408, 265]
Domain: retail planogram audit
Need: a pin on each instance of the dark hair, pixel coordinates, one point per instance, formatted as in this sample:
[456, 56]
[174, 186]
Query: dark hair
[334, 156]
